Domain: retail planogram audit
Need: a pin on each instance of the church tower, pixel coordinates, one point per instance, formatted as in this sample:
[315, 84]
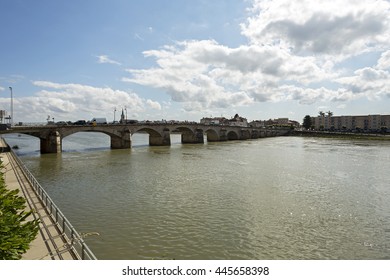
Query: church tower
[122, 118]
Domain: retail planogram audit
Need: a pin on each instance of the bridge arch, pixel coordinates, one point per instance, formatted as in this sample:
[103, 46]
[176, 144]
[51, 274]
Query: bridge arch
[245, 134]
[148, 130]
[232, 135]
[182, 129]
[156, 138]
[189, 134]
[120, 138]
[86, 140]
[212, 135]
[65, 133]
[50, 140]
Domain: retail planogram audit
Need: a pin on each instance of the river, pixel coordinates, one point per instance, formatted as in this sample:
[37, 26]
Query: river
[270, 198]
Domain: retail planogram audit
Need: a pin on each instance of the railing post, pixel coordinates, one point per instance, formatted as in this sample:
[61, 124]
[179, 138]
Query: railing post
[82, 251]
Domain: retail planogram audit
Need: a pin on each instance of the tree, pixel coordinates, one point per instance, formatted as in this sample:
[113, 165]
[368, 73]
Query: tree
[307, 122]
[16, 233]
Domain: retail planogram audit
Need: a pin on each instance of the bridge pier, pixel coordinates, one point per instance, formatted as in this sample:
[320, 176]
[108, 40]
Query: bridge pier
[262, 134]
[52, 144]
[192, 138]
[122, 142]
[223, 135]
[245, 134]
[255, 134]
[160, 140]
[212, 136]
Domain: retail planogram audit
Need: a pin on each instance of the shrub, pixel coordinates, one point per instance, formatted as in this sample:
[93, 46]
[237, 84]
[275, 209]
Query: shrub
[16, 233]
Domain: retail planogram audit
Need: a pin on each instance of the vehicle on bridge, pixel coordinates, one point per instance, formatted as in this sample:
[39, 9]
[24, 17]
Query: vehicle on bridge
[80, 122]
[96, 121]
[4, 126]
[131, 121]
[62, 123]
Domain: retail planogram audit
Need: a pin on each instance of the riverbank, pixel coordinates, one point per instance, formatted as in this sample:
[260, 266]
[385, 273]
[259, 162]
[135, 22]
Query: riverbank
[341, 135]
[51, 243]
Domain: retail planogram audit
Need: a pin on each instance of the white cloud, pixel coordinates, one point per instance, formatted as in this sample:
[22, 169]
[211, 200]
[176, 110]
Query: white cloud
[338, 28]
[341, 106]
[292, 54]
[76, 101]
[153, 104]
[106, 59]
[369, 82]
[214, 75]
[205, 74]
[384, 61]
[1, 88]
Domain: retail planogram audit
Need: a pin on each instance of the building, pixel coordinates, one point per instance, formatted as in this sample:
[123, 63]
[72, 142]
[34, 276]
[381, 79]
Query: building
[3, 115]
[238, 121]
[369, 123]
[275, 122]
[235, 121]
[213, 121]
[257, 124]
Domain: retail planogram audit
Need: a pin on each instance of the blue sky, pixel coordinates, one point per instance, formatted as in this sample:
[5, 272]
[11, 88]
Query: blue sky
[188, 59]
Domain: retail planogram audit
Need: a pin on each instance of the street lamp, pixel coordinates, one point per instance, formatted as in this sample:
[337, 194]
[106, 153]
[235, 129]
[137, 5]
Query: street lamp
[126, 113]
[114, 113]
[12, 107]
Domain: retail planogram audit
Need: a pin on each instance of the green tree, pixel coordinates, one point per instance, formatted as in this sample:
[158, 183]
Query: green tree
[16, 233]
[307, 123]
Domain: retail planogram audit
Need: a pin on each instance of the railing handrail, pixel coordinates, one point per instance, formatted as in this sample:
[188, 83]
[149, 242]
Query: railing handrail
[84, 252]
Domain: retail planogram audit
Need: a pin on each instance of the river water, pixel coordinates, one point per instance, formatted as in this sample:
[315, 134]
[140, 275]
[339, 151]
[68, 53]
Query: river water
[270, 198]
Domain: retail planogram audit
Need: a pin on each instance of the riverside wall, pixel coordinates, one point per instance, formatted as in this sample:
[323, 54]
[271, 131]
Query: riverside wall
[343, 135]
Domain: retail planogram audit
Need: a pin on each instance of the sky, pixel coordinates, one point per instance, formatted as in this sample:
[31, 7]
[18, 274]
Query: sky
[188, 59]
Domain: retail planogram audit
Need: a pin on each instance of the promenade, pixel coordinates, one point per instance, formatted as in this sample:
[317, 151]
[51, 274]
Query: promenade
[50, 243]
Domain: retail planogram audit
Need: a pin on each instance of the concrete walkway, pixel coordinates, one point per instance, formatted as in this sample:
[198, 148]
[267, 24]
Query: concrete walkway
[49, 244]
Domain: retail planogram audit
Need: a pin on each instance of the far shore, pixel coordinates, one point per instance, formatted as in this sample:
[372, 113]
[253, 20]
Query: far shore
[341, 135]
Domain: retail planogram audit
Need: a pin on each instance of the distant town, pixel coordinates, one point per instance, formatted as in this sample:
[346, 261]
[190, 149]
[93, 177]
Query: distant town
[375, 123]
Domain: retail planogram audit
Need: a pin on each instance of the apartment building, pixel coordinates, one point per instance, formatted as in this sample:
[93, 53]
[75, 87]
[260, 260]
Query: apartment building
[370, 123]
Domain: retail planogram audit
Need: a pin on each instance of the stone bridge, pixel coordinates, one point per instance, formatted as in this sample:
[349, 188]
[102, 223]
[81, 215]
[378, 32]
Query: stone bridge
[159, 134]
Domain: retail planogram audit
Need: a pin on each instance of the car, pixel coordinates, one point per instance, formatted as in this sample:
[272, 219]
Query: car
[131, 121]
[80, 122]
[61, 123]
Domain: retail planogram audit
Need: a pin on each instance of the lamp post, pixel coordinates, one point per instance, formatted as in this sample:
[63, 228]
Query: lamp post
[126, 113]
[12, 107]
[114, 114]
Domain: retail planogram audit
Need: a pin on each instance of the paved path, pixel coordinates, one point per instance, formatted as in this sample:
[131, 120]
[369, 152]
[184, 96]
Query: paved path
[49, 244]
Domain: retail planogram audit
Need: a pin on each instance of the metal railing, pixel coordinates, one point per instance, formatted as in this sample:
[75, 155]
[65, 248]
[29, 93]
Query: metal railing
[76, 242]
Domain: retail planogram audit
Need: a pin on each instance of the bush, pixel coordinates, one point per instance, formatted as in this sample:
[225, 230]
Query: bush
[15, 232]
